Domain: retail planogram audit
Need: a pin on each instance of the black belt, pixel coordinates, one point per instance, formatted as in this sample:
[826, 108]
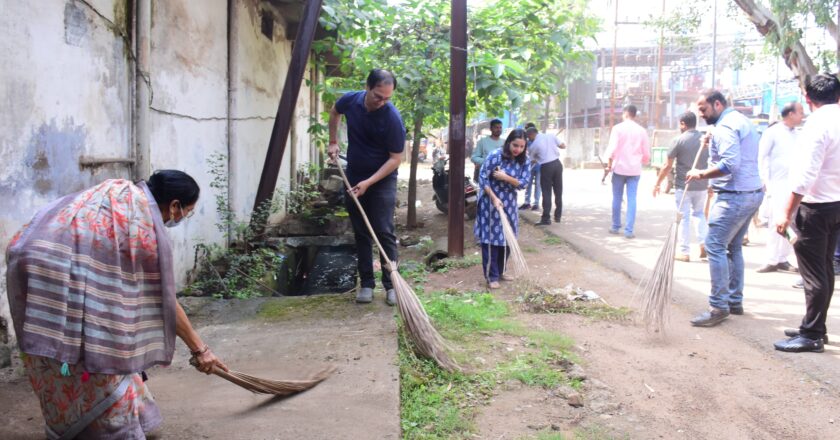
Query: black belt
[725, 191]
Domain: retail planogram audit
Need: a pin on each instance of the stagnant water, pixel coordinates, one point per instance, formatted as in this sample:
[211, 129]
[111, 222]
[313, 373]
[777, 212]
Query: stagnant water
[332, 270]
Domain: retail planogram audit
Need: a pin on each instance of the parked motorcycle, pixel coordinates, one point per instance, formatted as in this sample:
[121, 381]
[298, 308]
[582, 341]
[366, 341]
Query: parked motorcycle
[440, 183]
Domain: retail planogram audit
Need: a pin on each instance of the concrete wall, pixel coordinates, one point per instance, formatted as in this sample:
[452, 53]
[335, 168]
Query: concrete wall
[67, 86]
[65, 92]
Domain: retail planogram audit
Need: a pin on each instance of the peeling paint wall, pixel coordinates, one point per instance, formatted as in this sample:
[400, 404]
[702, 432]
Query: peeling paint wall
[261, 64]
[66, 84]
[64, 88]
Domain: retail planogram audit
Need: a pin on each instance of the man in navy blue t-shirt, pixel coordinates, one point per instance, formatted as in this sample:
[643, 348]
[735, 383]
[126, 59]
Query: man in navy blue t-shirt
[376, 137]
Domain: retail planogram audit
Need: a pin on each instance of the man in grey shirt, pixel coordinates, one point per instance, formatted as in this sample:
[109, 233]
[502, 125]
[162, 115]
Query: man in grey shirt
[487, 145]
[683, 151]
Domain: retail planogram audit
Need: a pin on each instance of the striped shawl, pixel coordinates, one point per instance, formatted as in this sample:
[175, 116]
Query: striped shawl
[90, 281]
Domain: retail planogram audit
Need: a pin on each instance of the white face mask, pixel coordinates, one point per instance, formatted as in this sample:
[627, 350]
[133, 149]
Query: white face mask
[171, 223]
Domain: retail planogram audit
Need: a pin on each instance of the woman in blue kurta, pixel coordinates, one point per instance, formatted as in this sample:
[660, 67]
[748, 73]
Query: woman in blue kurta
[505, 171]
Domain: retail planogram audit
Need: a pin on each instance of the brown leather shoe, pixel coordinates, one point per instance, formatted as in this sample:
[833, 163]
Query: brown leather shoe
[703, 253]
[494, 285]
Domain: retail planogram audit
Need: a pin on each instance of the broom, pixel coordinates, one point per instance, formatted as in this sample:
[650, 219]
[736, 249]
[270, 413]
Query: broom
[267, 386]
[520, 266]
[656, 290]
[427, 341]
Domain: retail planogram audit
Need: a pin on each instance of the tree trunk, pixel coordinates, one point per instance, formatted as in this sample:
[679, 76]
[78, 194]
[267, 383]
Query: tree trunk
[794, 53]
[411, 220]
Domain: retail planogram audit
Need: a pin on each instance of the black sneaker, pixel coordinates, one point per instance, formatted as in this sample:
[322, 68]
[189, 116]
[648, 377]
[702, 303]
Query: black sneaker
[792, 332]
[736, 309]
[800, 344]
[525, 206]
[544, 223]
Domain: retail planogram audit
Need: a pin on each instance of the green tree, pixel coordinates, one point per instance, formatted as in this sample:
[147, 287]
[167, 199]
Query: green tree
[516, 49]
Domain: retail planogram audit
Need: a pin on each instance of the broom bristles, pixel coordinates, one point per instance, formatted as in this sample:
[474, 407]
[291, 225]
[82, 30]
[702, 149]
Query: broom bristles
[517, 258]
[656, 288]
[427, 341]
[274, 387]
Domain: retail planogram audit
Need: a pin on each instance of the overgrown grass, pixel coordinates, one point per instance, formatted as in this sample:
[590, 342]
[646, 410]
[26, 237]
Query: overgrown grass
[552, 240]
[441, 405]
[459, 263]
[322, 305]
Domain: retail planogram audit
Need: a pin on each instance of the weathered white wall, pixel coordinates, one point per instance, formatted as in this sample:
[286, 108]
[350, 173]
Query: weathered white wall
[64, 89]
[188, 66]
[66, 85]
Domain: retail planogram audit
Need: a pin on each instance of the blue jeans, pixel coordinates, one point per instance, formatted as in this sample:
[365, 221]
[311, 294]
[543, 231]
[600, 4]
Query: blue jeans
[693, 206]
[493, 261]
[729, 220]
[535, 184]
[618, 183]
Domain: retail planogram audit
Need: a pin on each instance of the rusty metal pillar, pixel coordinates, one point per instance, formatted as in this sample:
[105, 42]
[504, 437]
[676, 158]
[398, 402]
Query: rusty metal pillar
[286, 109]
[457, 125]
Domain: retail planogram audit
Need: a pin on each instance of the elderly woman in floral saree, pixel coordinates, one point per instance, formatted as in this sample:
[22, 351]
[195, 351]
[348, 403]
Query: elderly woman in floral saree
[92, 294]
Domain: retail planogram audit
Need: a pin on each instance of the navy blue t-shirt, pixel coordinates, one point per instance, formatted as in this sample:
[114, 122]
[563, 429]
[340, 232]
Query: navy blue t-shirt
[372, 136]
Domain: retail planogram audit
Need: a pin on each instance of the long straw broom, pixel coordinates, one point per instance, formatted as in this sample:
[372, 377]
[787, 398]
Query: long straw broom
[517, 258]
[267, 386]
[656, 288]
[427, 341]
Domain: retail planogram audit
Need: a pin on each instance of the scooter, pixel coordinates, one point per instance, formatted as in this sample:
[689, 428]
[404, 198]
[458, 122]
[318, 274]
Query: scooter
[440, 183]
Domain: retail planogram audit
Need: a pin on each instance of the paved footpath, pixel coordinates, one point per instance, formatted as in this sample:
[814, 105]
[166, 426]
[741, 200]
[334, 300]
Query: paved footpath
[770, 303]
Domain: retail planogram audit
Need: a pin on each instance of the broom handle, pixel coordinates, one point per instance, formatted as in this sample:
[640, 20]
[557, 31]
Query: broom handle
[364, 217]
[703, 145]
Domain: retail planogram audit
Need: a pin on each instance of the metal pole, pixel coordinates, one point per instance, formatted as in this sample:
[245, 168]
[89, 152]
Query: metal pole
[286, 109]
[612, 87]
[658, 86]
[602, 118]
[457, 126]
[714, 46]
[142, 140]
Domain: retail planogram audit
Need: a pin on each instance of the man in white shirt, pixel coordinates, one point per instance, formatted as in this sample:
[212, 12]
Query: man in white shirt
[775, 152]
[545, 151]
[815, 191]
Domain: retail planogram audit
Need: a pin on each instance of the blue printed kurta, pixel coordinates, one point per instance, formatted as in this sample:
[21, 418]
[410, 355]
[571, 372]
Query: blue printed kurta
[488, 226]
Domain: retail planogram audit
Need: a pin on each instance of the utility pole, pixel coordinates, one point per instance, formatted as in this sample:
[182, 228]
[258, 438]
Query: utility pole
[658, 86]
[714, 46]
[614, 60]
[457, 125]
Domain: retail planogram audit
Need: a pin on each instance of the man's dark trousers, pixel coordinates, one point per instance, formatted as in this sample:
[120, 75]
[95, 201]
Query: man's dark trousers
[378, 202]
[551, 178]
[819, 226]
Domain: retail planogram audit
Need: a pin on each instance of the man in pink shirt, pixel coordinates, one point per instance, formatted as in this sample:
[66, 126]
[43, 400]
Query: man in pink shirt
[628, 149]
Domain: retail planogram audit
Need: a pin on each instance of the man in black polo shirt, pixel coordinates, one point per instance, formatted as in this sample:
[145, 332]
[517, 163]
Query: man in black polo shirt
[376, 137]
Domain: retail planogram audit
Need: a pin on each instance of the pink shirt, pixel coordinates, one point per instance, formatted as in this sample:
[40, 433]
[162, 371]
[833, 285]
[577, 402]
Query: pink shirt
[629, 148]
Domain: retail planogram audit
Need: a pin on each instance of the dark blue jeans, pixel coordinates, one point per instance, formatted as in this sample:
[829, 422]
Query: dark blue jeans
[378, 202]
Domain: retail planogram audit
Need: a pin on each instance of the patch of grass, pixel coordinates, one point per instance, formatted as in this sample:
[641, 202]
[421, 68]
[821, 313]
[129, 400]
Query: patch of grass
[447, 264]
[436, 404]
[546, 435]
[545, 301]
[281, 308]
[414, 272]
[552, 240]
[536, 369]
[460, 316]
[530, 250]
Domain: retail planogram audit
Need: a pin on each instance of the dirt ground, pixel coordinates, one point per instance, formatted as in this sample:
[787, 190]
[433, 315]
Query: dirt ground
[709, 384]
[706, 384]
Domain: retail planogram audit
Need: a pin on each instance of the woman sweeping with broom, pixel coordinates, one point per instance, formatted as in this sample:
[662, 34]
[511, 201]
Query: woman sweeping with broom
[92, 294]
[504, 172]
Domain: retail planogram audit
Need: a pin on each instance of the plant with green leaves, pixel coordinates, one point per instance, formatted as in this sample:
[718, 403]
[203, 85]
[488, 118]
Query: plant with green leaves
[508, 59]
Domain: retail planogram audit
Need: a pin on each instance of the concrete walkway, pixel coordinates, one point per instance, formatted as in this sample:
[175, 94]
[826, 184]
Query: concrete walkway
[771, 304]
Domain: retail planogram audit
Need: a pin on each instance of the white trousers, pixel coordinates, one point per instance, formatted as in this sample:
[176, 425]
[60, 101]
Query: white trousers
[778, 248]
